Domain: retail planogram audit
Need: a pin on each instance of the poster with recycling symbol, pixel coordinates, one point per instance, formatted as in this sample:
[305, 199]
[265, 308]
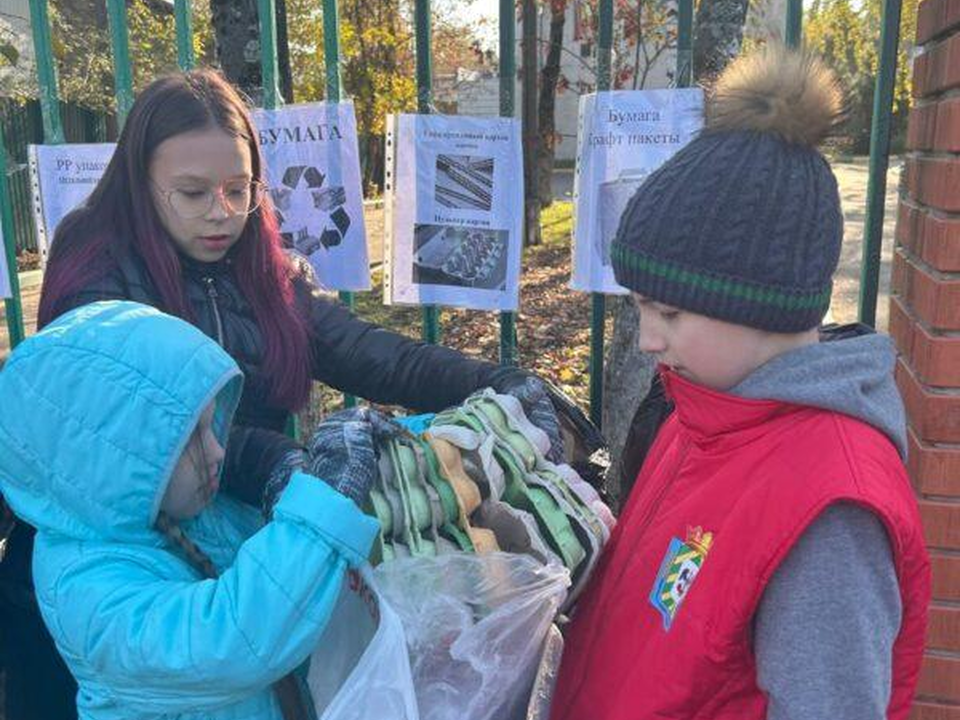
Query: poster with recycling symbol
[454, 211]
[313, 170]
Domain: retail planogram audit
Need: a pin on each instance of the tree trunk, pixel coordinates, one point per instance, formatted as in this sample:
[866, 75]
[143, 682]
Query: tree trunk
[636, 56]
[626, 379]
[283, 53]
[627, 371]
[718, 36]
[531, 200]
[236, 27]
[546, 111]
[372, 161]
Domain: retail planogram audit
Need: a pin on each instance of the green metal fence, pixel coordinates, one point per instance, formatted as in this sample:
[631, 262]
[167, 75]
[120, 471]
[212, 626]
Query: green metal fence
[61, 125]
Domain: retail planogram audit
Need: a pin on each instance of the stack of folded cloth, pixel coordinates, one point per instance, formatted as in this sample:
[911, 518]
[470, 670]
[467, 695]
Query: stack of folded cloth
[475, 479]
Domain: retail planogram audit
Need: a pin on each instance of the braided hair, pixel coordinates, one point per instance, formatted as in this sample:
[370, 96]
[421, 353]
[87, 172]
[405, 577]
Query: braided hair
[197, 558]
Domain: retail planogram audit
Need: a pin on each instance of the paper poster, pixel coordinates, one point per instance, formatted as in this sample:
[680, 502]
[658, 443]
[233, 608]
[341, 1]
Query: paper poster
[623, 137]
[61, 177]
[454, 204]
[313, 170]
[4, 274]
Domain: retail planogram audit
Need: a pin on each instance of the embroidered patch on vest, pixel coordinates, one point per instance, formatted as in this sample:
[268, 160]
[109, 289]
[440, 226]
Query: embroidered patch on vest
[679, 569]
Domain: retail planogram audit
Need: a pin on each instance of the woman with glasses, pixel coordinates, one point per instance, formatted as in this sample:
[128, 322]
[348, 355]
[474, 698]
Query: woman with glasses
[181, 220]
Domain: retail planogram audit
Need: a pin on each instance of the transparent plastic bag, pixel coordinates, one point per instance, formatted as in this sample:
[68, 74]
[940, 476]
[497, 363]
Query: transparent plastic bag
[360, 669]
[475, 627]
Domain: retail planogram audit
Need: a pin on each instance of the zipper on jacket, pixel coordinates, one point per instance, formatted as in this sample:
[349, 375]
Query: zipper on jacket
[212, 297]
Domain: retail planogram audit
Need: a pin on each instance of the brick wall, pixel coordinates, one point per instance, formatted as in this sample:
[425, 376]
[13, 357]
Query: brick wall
[925, 323]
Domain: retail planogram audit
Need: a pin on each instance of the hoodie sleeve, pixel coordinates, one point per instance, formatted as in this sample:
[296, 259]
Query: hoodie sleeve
[174, 646]
[827, 622]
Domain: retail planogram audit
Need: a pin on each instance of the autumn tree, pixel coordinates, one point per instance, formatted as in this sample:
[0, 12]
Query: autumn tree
[846, 34]
[377, 61]
[644, 31]
[80, 39]
[16, 73]
[376, 51]
[236, 27]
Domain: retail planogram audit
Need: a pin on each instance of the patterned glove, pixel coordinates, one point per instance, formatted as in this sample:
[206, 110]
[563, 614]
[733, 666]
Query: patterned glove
[344, 450]
[295, 459]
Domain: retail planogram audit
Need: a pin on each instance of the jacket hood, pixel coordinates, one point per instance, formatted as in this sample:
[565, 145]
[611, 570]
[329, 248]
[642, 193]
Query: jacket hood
[852, 376]
[97, 409]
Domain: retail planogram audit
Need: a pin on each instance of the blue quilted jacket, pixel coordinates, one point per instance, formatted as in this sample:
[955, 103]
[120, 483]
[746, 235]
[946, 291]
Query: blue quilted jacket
[95, 412]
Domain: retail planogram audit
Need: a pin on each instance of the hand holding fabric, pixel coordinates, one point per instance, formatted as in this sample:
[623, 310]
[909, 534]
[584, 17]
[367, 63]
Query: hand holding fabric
[344, 450]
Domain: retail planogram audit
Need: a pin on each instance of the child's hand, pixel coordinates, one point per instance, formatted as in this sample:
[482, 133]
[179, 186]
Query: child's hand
[294, 459]
[344, 450]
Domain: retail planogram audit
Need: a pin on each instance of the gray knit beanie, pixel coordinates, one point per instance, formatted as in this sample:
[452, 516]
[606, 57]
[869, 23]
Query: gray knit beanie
[744, 223]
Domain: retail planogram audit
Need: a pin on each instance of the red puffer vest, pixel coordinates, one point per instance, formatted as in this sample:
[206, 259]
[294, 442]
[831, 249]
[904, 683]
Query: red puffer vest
[664, 630]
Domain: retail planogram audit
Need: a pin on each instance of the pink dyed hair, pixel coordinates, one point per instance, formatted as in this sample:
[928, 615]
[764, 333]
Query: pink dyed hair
[119, 220]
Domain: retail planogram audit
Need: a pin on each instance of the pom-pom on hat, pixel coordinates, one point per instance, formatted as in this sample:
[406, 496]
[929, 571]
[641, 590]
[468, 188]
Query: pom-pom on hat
[744, 223]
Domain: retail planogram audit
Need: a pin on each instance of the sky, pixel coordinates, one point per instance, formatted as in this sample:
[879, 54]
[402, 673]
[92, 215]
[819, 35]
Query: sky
[489, 9]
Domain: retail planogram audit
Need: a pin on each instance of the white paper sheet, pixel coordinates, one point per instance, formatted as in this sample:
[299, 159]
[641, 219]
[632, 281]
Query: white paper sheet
[623, 136]
[4, 276]
[62, 176]
[454, 211]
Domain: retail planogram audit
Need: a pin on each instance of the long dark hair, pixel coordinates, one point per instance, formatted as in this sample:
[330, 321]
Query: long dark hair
[119, 220]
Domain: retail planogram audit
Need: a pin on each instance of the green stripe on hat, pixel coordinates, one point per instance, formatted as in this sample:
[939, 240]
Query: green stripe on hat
[803, 300]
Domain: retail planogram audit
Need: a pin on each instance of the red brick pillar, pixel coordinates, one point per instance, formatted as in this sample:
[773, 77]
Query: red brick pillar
[925, 323]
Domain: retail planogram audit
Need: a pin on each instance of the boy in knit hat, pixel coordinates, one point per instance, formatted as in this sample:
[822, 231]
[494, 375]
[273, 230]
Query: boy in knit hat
[769, 562]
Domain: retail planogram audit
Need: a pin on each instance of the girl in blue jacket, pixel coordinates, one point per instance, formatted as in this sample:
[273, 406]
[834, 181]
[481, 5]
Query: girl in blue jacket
[164, 598]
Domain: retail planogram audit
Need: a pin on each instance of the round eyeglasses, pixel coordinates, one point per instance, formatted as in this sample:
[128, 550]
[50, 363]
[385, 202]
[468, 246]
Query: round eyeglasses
[240, 197]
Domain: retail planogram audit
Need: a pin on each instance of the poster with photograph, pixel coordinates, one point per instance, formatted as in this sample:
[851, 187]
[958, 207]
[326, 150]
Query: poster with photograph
[454, 204]
[61, 178]
[4, 274]
[623, 136]
[313, 170]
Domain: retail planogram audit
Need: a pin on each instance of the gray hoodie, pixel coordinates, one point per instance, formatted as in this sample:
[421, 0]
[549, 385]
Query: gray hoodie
[825, 627]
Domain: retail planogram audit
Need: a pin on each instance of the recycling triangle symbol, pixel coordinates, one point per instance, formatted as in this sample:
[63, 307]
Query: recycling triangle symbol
[300, 199]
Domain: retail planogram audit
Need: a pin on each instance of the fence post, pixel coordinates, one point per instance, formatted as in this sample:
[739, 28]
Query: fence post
[46, 74]
[266, 10]
[598, 309]
[879, 160]
[120, 42]
[331, 61]
[431, 313]
[184, 25]
[508, 72]
[52, 134]
[794, 29]
[685, 43]
[331, 48]
[13, 305]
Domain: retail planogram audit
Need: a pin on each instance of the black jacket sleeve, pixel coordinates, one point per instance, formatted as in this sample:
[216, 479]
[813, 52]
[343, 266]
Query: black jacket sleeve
[369, 361]
[653, 411]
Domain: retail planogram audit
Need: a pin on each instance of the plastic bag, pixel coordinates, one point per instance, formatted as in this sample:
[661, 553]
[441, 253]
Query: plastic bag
[475, 628]
[360, 669]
